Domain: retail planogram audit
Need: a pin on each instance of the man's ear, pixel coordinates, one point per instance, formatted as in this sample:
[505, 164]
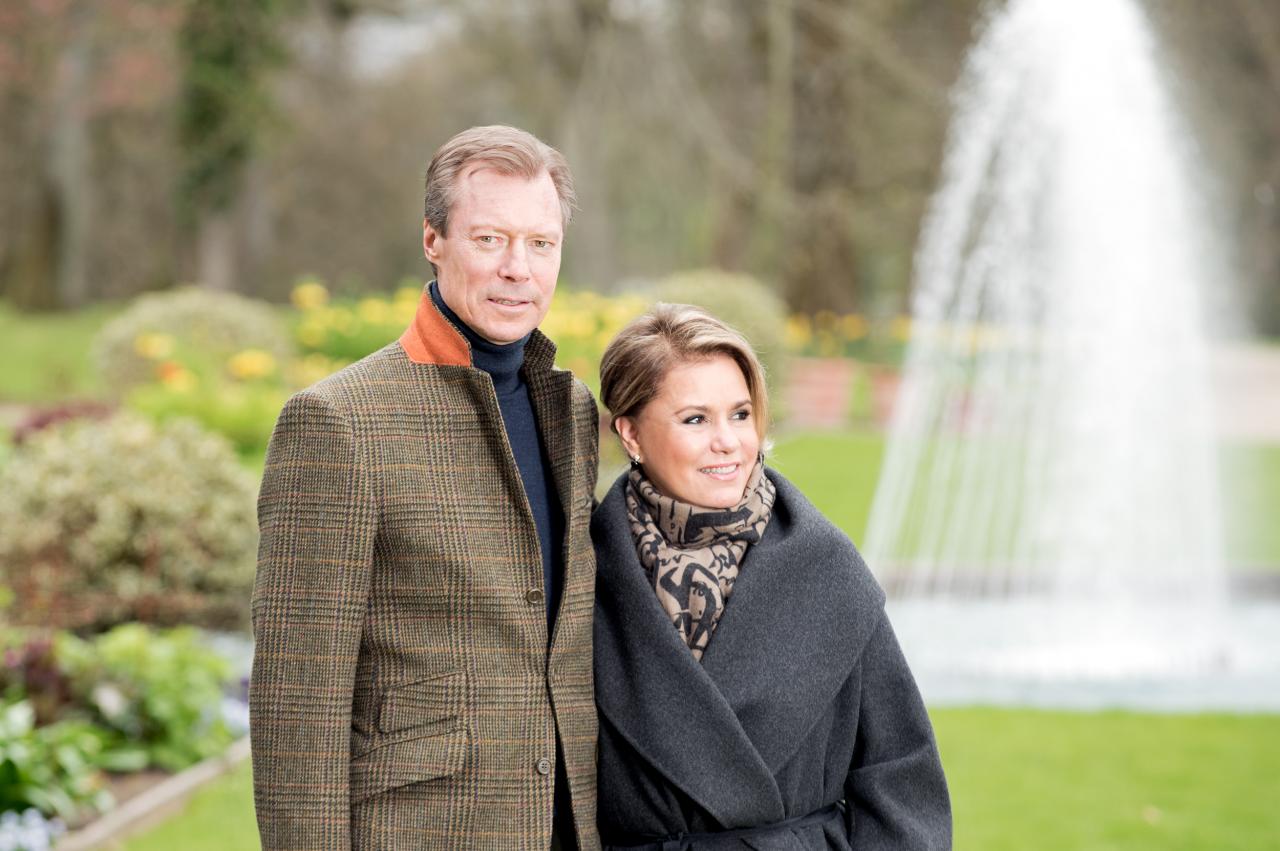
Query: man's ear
[627, 432]
[430, 237]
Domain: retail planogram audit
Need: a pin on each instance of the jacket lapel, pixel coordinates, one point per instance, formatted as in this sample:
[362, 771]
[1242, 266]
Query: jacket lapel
[790, 634]
[659, 698]
[551, 393]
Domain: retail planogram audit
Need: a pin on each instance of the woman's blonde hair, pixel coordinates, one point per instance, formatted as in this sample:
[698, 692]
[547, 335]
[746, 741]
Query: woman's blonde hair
[634, 365]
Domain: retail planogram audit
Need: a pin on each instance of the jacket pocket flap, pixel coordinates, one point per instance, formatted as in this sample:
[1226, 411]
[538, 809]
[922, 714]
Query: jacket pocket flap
[412, 761]
[436, 701]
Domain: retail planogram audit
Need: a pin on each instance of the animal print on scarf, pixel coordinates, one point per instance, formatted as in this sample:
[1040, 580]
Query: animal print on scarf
[692, 554]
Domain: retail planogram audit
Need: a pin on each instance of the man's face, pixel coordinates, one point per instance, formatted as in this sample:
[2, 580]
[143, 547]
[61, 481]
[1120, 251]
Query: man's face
[497, 268]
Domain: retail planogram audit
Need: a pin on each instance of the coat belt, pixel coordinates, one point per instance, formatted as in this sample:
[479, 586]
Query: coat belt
[686, 841]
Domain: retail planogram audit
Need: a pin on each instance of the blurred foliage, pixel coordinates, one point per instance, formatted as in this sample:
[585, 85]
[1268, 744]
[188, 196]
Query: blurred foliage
[229, 46]
[127, 520]
[798, 141]
[345, 330]
[184, 329]
[159, 693]
[827, 334]
[581, 324]
[52, 768]
[30, 671]
[73, 708]
[743, 303]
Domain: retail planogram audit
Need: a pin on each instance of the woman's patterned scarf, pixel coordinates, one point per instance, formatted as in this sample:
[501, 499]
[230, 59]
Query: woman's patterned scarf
[691, 554]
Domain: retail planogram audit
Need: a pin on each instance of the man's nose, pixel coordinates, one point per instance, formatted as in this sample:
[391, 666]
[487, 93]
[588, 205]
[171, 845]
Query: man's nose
[515, 263]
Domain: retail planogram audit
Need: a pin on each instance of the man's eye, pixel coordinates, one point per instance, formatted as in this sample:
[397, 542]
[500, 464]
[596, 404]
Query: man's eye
[486, 239]
[542, 243]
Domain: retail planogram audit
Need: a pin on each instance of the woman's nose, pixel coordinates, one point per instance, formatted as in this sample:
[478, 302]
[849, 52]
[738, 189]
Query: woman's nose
[725, 439]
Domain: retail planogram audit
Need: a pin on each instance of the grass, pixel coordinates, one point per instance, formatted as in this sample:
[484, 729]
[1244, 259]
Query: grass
[217, 818]
[838, 472]
[1053, 781]
[1251, 489]
[1112, 781]
[46, 355]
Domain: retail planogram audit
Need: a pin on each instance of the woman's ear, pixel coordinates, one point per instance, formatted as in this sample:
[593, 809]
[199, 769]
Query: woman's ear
[627, 433]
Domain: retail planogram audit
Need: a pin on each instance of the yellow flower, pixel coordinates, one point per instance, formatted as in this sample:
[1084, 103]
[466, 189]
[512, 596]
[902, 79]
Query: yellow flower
[153, 345]
[798, 331]
[311, 335]
[854, 326]
[251, 363]
[310, 295]
[175, 376]
[374, 311]
[900, 328]
[306, 371]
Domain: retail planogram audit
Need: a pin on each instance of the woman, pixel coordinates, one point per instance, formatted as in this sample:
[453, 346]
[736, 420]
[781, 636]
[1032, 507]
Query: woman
[751, 691]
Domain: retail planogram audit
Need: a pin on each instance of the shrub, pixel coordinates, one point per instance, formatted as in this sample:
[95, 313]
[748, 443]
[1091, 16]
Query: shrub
[743, 303]
[243, 412]
[127, 520]
[30, 671]
[158, 692]
[581, 323]
[185, 328]
[348, 329]
[52, 769]
[39, 419]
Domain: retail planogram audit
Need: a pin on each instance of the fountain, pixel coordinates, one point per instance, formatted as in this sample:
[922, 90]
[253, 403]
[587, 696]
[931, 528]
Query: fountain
[1047, 519]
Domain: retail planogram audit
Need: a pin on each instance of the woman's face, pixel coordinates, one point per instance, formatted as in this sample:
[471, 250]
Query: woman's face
[697, 437]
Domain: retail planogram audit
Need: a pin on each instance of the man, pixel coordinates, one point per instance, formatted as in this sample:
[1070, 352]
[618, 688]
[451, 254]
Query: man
[423, 604]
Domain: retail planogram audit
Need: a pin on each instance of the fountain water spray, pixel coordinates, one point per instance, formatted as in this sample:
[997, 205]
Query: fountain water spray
[1048, 508]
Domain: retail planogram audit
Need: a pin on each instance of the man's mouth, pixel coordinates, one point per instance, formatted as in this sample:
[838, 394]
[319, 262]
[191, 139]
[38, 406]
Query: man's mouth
[508, 302]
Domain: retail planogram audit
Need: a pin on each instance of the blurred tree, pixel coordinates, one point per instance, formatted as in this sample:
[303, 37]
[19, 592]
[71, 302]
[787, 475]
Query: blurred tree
[228, 48]
[1226, 59]
[68, 72]
[795, 140]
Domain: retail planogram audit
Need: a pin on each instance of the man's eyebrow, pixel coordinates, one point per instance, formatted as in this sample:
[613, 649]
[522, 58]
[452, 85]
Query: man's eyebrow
[552, 235]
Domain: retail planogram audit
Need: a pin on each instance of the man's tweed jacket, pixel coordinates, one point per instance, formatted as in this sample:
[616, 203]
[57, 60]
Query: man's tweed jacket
[403, 694]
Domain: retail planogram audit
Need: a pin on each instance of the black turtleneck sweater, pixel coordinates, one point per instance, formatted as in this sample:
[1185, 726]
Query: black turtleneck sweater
[503, 363]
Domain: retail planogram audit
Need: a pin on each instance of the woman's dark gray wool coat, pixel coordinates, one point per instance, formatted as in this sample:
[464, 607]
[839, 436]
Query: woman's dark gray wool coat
[802, 699]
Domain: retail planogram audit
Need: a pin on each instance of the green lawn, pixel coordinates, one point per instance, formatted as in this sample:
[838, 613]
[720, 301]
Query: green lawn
[838, 472]
[1019, 779]
[217, 818]
[1111, 782]
[46, 355]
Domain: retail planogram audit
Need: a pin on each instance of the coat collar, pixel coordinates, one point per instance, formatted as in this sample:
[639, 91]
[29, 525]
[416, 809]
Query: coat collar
[432, 339]
[802, 609]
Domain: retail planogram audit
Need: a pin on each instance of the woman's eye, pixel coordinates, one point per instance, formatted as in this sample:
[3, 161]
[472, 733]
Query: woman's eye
[696, 419]
[742, 415]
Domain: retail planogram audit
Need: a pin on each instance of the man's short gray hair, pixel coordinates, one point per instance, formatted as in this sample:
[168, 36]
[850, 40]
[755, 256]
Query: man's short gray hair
[508, 150]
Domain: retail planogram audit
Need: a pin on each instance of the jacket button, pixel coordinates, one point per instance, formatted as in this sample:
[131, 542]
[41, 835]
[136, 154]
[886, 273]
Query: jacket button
[543, 766]
[534, 596]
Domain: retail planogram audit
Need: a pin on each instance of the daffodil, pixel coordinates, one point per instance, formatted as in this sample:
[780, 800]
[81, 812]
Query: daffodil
[153, 345]
[309, 295]
[175, 376]
[251, 363]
